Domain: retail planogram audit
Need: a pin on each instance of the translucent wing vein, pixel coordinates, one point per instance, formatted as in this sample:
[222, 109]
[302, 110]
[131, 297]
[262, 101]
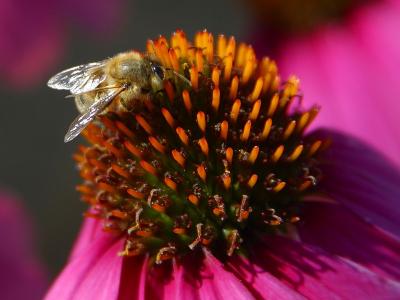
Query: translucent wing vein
[101, 102]
[79, 79]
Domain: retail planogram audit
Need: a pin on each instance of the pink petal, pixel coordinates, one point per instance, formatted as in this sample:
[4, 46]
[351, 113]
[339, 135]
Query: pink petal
[102, 281]
[219, 283]
[182, 283]
[181, 287]
[203, 278]
[261, 282]
[194, 278]
[94, 274]
[134, 278]
[33, 35]
[22, 276]
[32, 41]
[318, 275]
[91, 229]
[363, 180]
[351, 70]
[338, 231]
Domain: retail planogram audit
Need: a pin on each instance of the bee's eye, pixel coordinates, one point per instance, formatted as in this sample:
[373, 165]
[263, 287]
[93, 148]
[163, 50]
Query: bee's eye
[158, 71]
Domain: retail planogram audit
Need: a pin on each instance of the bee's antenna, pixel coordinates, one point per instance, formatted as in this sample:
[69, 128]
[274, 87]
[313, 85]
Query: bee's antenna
[169, 69]
[179, 76]
[182, 77]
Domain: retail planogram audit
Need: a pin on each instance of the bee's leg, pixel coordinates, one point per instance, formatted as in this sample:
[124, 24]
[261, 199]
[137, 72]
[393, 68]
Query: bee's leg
[133, 98]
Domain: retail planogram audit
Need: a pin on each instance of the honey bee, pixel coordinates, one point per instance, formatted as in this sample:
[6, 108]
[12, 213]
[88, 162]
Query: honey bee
[128, 77]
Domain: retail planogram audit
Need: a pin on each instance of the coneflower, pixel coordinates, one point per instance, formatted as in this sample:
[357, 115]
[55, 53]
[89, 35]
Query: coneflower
[202, 192]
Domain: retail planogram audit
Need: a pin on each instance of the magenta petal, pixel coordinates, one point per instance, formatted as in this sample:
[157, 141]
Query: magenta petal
[134, 279]
[318, 275]
[178, 288]
[32, 41]
[220, 283]
[182, 284]
[142, 280]
[22, 276]
[94, 274]
[91, 229]
[102, 281]
[261, 282]
[338, 231]
[351, 70]
[363, 180]
[196, 278]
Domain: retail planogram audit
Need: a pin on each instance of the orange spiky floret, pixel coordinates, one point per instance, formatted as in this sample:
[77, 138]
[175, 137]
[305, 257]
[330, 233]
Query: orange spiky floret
[206, 160]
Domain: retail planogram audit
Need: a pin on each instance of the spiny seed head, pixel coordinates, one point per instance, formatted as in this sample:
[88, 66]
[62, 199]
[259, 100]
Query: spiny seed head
[211, 163]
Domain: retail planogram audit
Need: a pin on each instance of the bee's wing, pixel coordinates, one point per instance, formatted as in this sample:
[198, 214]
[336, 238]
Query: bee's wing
[79, 79]
[97, 107]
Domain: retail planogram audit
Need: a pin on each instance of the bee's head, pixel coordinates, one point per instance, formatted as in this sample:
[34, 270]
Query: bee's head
[157, 76]
[160, 73]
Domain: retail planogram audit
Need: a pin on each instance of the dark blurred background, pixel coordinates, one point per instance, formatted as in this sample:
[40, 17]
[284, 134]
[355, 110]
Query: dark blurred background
[35, 163]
